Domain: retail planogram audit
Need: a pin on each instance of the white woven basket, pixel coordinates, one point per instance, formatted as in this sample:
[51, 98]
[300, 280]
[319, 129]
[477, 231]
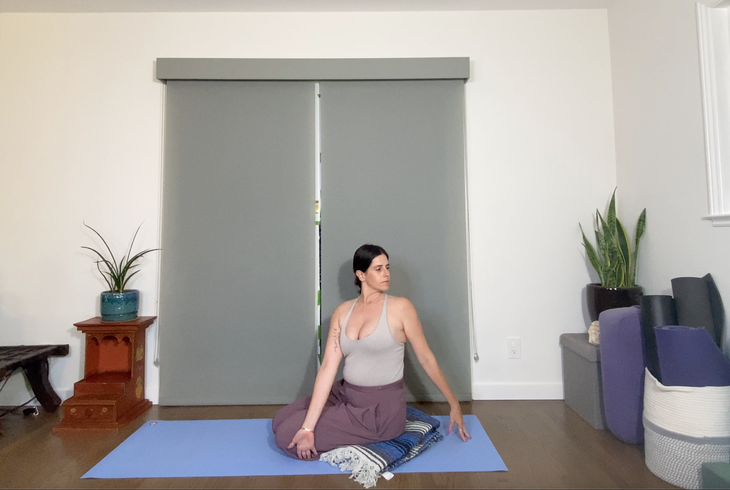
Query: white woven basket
[683, 428]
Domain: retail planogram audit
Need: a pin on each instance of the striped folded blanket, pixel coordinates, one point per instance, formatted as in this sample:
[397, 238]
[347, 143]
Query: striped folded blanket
[368, 462]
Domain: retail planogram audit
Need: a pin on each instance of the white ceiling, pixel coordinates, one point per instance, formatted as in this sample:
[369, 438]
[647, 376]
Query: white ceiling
[72, 6]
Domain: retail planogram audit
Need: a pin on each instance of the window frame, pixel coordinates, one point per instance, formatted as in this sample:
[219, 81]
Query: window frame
[713, 29]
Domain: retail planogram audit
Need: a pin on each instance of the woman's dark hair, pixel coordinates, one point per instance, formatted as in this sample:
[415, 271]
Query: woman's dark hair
[364, 257]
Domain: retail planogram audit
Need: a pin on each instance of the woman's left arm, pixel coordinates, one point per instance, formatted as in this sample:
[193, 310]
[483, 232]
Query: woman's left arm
[414, 334]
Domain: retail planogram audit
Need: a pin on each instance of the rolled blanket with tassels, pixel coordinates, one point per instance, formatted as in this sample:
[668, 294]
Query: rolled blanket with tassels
[368, 462]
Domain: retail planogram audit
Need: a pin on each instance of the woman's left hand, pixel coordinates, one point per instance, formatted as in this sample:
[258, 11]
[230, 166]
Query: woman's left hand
[455, 417]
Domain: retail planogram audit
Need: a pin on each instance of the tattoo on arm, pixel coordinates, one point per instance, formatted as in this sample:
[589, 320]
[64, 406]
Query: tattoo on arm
[337, 339]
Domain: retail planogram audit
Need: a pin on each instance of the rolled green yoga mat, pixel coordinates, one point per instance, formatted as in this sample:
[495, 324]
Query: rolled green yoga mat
[699, 304]
[656, 311]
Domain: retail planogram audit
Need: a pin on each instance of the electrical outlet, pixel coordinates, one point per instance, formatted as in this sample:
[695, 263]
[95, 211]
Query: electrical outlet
[514, 348]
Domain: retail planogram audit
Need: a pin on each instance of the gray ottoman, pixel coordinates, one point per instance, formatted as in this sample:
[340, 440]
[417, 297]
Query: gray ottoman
[716, 475]
[582, 378]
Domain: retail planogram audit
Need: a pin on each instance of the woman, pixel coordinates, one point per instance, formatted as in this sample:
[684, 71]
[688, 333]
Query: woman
[368, 405]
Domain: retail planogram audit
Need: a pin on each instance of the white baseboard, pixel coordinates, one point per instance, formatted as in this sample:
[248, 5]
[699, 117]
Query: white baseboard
[517, 391]
[20, 395]
[435, 397]
[65, 394]
[152, 393]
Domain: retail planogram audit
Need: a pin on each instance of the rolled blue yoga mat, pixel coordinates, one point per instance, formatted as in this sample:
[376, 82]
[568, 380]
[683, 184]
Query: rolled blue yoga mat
[689, 357]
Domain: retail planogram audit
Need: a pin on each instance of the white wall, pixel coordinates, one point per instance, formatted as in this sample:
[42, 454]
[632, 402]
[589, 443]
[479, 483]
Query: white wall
[659, 142]
[80, 139]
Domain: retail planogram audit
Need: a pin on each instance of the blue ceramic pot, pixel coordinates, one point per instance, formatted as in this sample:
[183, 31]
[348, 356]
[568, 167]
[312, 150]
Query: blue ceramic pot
[119, 307]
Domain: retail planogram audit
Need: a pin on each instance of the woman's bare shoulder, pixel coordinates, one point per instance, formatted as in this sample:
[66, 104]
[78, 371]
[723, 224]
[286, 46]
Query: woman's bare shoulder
[400, 303]
[342, 310]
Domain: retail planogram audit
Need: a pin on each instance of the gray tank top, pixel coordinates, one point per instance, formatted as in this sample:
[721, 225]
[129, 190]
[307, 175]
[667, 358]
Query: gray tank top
[374, 360]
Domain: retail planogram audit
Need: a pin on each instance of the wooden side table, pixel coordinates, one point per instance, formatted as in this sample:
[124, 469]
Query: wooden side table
[112, 392]
[33, 360]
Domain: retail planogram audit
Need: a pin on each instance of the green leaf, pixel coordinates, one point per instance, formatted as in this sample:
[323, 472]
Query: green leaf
[624, 250]
[124, 285]
[601, 238]
[638, 234]
[592, 255]
[640, 226]
[613, 258]
[102, 239]
[609, 247]
[611, 216]
[104, 275]
[117, 273]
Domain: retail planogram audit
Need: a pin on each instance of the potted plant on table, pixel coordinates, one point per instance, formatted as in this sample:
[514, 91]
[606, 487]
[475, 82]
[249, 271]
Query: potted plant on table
[615, 262]
[118, 304]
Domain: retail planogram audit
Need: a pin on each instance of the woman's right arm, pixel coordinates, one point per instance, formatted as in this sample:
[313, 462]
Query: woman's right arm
[304, 438]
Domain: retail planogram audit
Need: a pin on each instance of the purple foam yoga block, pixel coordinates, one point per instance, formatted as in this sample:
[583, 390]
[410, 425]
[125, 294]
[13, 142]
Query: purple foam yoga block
[622, 372]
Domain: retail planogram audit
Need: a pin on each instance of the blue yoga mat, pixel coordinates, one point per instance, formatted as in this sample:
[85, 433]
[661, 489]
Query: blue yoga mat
[689, 357]
[245, 447]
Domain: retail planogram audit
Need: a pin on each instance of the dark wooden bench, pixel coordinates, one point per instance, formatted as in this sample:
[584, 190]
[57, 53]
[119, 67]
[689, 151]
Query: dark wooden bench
[33, 360]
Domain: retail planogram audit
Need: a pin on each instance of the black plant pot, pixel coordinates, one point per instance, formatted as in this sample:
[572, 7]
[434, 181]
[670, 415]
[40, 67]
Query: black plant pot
[599, 299]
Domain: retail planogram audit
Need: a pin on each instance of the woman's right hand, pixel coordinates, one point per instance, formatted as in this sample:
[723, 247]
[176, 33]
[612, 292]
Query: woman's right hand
[304, 441]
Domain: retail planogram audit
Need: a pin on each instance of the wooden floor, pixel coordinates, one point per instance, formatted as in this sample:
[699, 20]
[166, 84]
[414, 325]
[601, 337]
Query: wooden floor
[543, 443]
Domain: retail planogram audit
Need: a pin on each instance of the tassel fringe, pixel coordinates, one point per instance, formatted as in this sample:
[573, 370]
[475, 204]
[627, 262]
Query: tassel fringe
[363, 471]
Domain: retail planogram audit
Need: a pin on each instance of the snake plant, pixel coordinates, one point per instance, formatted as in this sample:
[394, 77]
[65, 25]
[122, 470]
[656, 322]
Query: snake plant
[613, 258]
[117, 273]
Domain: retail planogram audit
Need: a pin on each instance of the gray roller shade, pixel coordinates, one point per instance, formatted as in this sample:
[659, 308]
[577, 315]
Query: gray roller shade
[393, 175]
[238, 243]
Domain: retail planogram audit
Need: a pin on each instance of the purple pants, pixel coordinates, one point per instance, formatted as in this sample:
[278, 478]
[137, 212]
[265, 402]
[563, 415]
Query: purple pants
[352, 415]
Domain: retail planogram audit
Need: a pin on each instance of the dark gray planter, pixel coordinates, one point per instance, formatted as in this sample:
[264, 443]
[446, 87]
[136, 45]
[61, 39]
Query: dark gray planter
[599, 299]
[119, 307]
